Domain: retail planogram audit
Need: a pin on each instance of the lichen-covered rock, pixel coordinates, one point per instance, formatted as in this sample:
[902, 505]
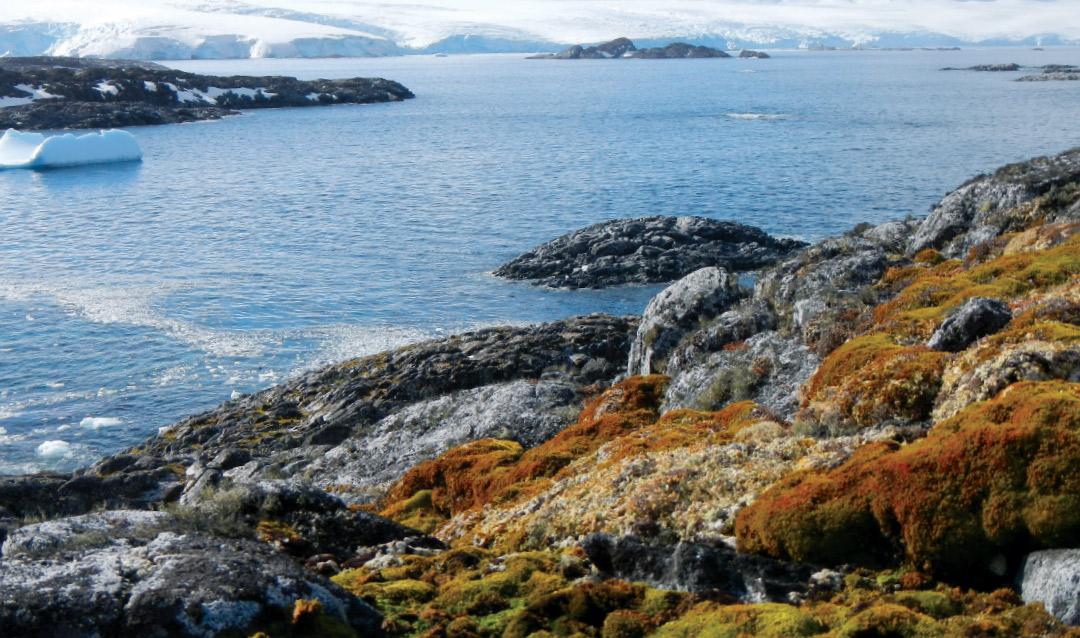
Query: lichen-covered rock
[328, 406]
[1052, 577]
[490, 472]
[678, 308]
[318, 522]
[766, 368]
[1040, 190]
[646, 250]
[113, 582]
[1036, 360]
[977, 318]
[528, 412]
[999, 479]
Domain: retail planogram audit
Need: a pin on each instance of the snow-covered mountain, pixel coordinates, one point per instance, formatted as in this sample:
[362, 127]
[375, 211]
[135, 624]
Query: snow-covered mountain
[180, 29]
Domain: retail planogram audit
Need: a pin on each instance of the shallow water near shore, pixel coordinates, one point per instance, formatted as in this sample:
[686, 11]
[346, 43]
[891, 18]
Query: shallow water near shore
[242, 252]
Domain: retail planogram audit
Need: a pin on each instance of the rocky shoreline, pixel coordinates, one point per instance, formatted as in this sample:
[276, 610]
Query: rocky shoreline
[880, 438]
[75, 93]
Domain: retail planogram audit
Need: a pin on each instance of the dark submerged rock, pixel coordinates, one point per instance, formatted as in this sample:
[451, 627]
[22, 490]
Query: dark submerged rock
[977, 318]
[646, 250]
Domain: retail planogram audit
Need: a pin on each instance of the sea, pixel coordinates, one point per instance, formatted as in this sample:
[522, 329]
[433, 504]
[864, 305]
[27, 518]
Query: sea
[242, 252]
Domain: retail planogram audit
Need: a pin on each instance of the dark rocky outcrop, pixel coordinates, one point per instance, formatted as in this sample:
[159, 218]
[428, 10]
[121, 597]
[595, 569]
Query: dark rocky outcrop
[79, 93]
[696, 566]
[646, 250]
[977, 318]
[760, 55]
[624, 48]
[992, 68]
[677, 51]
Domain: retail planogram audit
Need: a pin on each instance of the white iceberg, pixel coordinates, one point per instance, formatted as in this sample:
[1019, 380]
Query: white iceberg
[34, 150]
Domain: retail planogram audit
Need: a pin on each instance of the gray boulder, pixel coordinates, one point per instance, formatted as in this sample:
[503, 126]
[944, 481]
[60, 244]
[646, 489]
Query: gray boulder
[112, 580]
[1052, 577]
[678, 308]
[977, 318]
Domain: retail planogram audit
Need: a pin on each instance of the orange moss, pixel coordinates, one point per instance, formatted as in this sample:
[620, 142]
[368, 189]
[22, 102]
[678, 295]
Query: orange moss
[1002, 476]
[871, 378]
[492, 472]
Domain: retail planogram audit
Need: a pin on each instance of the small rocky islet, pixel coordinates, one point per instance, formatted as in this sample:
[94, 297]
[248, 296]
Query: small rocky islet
[624, 48]
[881, 438]
[51, 93]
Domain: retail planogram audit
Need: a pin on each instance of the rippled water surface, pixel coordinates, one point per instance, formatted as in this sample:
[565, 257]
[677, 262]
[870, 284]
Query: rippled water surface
[241, 252]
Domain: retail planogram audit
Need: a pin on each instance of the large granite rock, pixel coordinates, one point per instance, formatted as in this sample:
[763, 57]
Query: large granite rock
[646, 250]
[1052, 577]
[79, 93]
[681, 306]
[116, 574]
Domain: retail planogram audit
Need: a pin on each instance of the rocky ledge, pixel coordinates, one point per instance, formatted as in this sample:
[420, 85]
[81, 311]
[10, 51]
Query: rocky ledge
[622, 48]
[71, 93]
[646, 250]
[880, 439]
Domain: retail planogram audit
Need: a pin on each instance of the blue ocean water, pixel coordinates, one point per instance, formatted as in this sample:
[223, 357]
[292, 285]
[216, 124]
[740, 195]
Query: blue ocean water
[241, 252]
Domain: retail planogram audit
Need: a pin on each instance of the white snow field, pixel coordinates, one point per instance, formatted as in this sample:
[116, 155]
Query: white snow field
[184, 29]
[34, 150]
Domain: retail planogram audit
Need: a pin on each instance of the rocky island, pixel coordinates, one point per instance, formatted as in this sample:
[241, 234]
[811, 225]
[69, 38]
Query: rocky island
[76, 93]
[881, 438]
[621, 48]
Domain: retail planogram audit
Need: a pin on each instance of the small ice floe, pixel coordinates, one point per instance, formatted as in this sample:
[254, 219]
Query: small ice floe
[34, 150]
[757, 116]
[54, 450]
[98, 422]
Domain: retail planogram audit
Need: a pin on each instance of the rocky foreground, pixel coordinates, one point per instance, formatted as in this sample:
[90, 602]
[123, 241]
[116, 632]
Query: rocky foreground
[882, 438]
[75, 93]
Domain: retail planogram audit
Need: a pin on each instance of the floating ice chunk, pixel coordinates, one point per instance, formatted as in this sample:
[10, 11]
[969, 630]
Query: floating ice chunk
[54, 449]
[757, 116]
[33, 150]
[98, 422]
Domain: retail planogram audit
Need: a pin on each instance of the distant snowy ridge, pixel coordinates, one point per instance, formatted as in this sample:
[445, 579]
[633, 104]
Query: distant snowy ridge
[33, 150]
[184, 29]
